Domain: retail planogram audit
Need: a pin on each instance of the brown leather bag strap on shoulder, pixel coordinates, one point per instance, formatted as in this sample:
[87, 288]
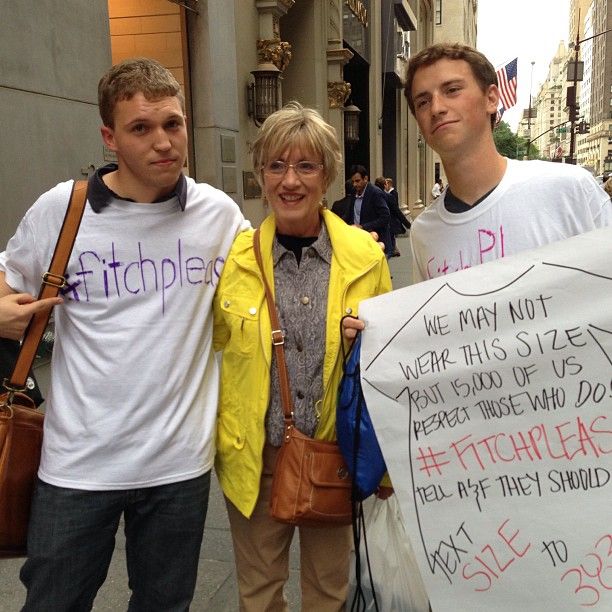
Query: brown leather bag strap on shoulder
[53, 281]
[277, 336]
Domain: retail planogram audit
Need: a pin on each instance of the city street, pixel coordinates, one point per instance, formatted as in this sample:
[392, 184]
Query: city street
[216, 589]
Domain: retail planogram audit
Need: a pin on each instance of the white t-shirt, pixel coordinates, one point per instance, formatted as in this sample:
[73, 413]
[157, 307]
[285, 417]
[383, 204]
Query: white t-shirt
[535, 203]
[134, 382]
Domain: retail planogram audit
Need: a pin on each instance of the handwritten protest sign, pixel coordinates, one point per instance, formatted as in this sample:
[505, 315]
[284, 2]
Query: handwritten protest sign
[491, 393]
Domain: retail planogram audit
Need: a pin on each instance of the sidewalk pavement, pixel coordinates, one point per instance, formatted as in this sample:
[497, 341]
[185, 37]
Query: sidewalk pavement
[216, 589]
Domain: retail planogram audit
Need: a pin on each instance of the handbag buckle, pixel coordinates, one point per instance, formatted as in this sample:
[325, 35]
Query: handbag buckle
[54, 280]
[342, 473]
[8, 409]
[11, 390]
[6, 383]
[278, 337]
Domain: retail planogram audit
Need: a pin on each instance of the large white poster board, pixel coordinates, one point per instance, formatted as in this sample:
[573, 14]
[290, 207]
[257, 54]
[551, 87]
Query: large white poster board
[491, 393]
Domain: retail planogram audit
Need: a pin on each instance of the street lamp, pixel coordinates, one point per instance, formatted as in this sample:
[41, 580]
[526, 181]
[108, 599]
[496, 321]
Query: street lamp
[351, 125]
[263, 94]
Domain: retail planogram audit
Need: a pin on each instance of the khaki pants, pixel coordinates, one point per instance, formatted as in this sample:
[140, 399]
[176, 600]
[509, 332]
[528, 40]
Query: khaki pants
[261, 550]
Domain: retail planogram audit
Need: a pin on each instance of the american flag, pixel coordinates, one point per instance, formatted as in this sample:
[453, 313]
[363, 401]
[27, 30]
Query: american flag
[506, 78]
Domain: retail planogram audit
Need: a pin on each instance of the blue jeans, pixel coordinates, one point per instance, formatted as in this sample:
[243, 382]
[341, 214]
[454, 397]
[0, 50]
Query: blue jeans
[71, 540]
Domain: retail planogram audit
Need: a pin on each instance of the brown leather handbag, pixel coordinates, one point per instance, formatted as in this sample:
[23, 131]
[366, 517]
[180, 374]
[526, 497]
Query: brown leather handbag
[311, 485]
[21, 424]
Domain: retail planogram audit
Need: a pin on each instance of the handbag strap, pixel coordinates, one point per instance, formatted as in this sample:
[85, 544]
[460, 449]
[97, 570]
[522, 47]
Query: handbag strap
[52, 281]
[278, 339]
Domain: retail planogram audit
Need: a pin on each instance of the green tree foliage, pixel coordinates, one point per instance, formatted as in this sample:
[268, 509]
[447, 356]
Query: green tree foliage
[510, 145]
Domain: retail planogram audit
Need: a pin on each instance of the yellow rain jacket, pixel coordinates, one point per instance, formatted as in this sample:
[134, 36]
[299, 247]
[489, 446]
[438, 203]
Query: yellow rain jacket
[244, 333]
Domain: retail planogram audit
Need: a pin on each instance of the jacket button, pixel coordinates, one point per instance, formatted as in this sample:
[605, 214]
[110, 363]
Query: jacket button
[349, 311]
[305, 300]
[226, 304]
[252, 310]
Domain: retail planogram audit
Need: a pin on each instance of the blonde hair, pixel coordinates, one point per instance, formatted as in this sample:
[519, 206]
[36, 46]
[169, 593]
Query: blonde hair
[296, 125]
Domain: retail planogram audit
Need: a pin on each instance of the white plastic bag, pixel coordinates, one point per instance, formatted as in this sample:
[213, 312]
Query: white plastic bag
[397, 580]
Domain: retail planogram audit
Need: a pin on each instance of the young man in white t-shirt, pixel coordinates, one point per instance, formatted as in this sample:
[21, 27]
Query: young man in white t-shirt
[492, 206]
[131, 410]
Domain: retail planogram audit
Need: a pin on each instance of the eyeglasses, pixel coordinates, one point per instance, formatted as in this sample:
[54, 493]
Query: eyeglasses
[279, 168]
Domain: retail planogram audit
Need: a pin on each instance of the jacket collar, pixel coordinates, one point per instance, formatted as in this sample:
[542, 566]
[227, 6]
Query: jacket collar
[348, 255]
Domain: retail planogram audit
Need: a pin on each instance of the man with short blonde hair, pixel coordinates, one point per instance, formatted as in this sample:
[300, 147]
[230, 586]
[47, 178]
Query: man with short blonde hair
[131, 412]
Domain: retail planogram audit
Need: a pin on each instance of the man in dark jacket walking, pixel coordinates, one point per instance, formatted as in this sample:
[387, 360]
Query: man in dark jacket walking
[368, 208]
[398, 223]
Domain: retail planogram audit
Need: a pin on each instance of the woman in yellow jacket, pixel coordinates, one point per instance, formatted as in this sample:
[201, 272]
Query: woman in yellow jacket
[319, 269]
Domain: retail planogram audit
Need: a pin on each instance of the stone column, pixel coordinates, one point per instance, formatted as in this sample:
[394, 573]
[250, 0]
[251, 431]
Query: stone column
[338, 90]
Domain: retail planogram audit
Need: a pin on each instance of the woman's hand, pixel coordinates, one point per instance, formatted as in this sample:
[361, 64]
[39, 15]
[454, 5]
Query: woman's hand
[350, 327]
[380, 244]
[384, 492]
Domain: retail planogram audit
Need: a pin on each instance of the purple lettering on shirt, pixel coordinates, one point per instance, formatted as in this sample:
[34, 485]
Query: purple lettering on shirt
[114, 264]
[142, 273]
[83, 272]
[194, 264]
[100, 274]
[167, 267]
[71, 288]
[125, 275]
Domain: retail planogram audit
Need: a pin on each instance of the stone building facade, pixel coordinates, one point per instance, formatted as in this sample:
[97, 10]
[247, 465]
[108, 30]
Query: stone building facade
[343, 57]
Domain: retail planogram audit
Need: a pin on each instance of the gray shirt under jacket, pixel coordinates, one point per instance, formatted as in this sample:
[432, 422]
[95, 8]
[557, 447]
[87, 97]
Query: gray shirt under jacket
[301, 301]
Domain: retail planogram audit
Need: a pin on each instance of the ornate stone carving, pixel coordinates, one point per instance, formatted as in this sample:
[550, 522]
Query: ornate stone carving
[278, 7]
[276, 52]
[335, 19]
[337, 93]
[338, 54]
[358, 8]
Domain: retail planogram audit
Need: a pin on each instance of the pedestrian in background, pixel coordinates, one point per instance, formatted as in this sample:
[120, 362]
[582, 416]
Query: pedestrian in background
[399, 223]
[368, 208]
[436, 190]
[402, 218]
[131, 410]
[341, 207]
[396, 217]
[319, 269]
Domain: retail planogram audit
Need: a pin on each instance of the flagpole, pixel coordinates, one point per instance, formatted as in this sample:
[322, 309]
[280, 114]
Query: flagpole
[529, 111]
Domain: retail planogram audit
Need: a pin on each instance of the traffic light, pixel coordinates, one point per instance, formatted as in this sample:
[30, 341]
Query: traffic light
[573, 107]
[574, 111]
[584, 127]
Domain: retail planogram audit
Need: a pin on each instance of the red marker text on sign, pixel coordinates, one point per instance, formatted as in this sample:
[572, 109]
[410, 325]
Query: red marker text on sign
[594, 574]
[495, 558]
